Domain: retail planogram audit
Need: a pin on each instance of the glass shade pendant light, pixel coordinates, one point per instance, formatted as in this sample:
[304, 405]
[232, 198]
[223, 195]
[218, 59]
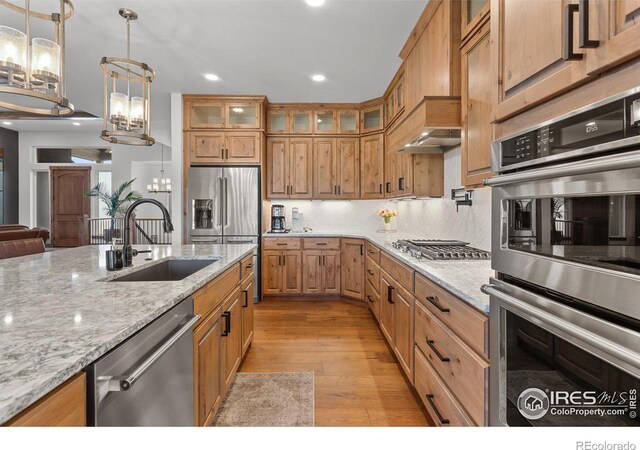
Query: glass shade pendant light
[162, 184]
[32, 76]
[127, 117]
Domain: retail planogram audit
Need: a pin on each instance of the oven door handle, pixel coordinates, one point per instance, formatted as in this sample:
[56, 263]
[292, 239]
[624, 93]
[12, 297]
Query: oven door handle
[597, 342]
[595, 165]
[125, 382]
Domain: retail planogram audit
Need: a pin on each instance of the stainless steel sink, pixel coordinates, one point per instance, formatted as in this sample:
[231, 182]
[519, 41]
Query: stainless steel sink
[169, 270]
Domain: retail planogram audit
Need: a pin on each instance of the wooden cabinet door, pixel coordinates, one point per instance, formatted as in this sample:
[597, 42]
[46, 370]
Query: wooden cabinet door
[292, 272]
[372, 166]
[331, 272]
[324, 122]
[348, 167]
[243, 148]
[205, 114]
[390, 173]
[348, 121]
[386, 319]
[476, 109]
[403, 326]
[248, 292]
[207, 147]
[301, 122]
[278, 168]
[530, 57]
[352, 265]
[324, 169]
[474, 12]
[242, 115]
[301, 168]
[231, 337]
[271, 272]
[618, 30]
[70, 207]
[206, 368]
[371, 119]
[312, 272]
[277, 121]
[403, 180]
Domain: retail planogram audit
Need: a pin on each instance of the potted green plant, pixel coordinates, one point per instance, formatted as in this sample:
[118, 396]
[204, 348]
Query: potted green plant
[114, 202]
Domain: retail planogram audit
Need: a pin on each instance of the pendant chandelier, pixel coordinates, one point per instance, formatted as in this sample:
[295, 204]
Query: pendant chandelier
[32, 71]
[127, 117]
[160, 185]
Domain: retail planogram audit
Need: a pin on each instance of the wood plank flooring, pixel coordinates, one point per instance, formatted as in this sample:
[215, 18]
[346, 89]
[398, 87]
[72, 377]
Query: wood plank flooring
[357, 381]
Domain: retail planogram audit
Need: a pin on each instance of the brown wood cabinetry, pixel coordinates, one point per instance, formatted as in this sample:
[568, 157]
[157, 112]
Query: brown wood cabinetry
[352, 261]
[210, 111]
[289, 168]
[371, 118]
[386, 318]
[321, 272]
[325, 122]
[474, 13]
[218, 147]
[231, 348]
[336, 168]
[476, 108]
[281, 271]
[402, 303]
[248, 293]
[66, 406]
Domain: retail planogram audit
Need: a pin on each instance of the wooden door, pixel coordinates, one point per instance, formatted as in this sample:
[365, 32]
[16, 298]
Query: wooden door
[390, 173]
[403, 175]
[243, 148]
[352, 264]
[70, 207]
[476, 109]
[292, 272]
[204, 114]
[278, 168]
[324, 122]
[371, 119]
[271, 272]
[386, 319]
[348, 167]
[324, 169]
[277, 121]
[242, 115]
[403, 327]
[618, 30]
[531, 65]
[312, 272]
[206, 368]
[372, 166]
[331, 272]
[301, 122]
[248, 291]
[348, 121]
[301, 168]
[207, 147]
[231, 337]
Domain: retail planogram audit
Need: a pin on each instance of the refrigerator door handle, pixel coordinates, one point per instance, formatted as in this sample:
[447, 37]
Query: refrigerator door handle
[226, 201]
[221, 200]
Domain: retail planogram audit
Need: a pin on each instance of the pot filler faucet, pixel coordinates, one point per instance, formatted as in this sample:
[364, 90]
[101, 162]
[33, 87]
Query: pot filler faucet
[127, 250]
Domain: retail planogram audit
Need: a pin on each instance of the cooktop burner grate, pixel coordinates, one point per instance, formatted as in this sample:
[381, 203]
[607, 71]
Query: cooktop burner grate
[440, 249]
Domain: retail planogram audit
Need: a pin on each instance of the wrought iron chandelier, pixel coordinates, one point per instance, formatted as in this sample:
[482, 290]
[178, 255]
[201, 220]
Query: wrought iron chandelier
[160, 185]
[127, 117]
[32, 71]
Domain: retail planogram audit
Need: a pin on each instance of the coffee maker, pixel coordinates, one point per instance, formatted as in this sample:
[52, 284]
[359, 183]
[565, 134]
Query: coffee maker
[278, 222]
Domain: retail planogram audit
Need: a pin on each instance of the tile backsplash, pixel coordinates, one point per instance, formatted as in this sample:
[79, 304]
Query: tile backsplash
[434, 218]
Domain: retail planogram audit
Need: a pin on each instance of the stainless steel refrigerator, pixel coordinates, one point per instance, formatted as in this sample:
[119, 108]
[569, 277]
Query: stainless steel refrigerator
[224, 207]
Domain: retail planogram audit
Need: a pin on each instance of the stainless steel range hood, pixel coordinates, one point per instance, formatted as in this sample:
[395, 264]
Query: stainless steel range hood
[433, 126]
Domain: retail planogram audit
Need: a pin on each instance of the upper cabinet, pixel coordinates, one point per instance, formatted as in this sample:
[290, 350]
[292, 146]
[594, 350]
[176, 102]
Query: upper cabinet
[371, 118]
[324, 122]
[474, 13]
[277, 121]
[203, 112]
[301, 122]
[348, 121]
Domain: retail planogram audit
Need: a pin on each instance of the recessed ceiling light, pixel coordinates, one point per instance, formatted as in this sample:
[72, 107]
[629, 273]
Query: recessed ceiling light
[318, 77]
[315, 3]
[77, 124]
[211, 76]
[7, 123]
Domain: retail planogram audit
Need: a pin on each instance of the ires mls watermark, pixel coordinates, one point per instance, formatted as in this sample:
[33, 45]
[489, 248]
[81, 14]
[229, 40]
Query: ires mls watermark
[534, 403]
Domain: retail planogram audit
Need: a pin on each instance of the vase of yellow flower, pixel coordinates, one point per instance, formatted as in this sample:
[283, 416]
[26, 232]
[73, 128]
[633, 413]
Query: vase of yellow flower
[387, 215]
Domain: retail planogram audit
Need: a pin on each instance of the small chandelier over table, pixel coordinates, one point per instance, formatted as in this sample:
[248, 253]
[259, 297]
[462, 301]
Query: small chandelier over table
[127, 117]
[160, 185]
[32, 71]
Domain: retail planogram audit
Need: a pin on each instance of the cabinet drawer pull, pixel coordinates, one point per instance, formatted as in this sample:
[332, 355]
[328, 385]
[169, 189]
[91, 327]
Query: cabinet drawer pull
[319, 260]
[361, 249]
[321, 243]
[227, 326]
[401, 183]
[434, 301]
[249, 266]
[370, 299]
[370, 272]
[442, 420]
[381, 188]
[246, 298]
[390, 294]
[583, 17]
[388, 187]
[432, 346]
[281, 243]
[569, 16]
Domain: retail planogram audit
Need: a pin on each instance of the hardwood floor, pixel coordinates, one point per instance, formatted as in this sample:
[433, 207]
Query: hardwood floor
[357, 381]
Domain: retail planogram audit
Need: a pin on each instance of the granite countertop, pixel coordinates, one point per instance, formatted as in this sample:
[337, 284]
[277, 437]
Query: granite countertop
[462, 278]
[57, 314]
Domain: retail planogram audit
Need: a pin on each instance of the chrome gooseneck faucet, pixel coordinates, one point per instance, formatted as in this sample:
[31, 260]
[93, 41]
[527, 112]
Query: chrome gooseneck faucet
[127, 250]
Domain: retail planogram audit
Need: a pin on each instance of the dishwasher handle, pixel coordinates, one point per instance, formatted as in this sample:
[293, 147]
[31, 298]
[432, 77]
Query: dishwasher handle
[125, 382]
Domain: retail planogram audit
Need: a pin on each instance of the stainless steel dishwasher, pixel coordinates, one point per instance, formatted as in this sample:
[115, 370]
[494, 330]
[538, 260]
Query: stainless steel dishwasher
[148, 379]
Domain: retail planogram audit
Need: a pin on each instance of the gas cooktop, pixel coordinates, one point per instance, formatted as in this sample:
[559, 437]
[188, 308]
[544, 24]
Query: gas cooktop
[440, 249]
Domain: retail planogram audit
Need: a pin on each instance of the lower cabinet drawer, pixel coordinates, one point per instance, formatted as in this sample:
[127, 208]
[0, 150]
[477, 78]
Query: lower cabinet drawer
[373, 273]
[212, 295]
[246, 267]
[462, 369]
[373, 298]
[272, 243]
[321, 243]
[398, 271]
[442, 405]
[373, 252]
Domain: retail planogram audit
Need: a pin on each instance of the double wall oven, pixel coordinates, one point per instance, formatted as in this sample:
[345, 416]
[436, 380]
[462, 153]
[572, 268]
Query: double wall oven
[565, 304]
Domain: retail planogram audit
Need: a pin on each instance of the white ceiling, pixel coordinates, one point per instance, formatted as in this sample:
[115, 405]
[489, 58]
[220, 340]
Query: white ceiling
[268, 47]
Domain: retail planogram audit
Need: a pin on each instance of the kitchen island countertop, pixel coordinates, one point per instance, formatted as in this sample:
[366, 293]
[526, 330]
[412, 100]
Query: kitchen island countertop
[58, 314]
[461, 278]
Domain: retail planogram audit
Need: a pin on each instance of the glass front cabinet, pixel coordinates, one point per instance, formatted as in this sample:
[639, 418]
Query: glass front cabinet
[348, 121]
[301, 122]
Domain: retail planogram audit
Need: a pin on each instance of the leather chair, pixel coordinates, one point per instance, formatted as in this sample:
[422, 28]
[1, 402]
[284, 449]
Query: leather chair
[22, 247]
[8, 234]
